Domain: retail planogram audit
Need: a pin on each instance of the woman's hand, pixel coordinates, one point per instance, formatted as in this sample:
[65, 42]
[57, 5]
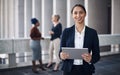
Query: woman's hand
[64, 55]
[87, 57]
[42, 38]
[51, 32]
[36, 38]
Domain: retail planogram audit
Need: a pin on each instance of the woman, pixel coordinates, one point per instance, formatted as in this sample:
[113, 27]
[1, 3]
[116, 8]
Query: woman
[80, 36]
[55, 41]
[35, 45]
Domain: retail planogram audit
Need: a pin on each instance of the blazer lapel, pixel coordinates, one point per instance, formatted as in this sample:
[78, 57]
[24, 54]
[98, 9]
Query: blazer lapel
[85, 37]
[73, 36]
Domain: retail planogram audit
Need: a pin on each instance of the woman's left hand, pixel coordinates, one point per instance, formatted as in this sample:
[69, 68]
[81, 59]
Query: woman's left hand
[42, 38]
[87, 57]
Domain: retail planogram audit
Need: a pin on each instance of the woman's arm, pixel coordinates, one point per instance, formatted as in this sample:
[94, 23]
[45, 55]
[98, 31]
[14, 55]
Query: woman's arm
[62, 44]
[36, 38]
[95, 50]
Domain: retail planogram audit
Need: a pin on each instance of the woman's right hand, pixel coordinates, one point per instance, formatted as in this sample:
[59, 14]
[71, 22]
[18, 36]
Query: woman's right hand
[64, 55]
[42, 38]
[51, 32]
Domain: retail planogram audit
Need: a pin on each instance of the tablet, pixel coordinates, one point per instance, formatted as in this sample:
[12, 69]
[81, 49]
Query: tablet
[75, 53]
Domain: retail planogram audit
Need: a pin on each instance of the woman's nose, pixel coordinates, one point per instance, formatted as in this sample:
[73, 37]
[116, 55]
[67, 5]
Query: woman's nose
[78, 15]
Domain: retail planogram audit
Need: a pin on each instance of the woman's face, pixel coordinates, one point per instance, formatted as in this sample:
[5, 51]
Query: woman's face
[37, 24]
[54, 19]
[78, 15]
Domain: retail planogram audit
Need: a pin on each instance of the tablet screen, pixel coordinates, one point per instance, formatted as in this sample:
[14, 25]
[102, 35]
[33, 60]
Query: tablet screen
[75, 53]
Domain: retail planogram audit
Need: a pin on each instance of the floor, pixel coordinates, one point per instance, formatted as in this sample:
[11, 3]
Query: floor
[108, 65]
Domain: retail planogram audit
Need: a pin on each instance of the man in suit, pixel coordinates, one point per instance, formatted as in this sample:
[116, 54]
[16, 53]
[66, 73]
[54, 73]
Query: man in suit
[79, 36]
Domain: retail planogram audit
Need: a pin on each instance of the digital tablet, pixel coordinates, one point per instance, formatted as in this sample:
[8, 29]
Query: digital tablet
[75, 53]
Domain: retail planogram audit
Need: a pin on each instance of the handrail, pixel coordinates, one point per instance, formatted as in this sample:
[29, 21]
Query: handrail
[108, 39]
[22, 44]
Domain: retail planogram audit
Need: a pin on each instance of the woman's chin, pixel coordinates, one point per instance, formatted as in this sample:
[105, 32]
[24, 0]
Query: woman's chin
[79, 22]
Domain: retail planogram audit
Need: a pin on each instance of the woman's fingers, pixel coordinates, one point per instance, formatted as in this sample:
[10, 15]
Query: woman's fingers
[64, 55]
[87, 57]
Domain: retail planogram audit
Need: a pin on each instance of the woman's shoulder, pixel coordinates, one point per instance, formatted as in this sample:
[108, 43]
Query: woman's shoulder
[70, 28]
[34, 29]
[59, 24]
[90, 30]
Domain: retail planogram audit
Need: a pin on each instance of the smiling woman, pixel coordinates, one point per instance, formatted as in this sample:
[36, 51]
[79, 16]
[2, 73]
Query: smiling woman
[79, 36]
[78, 14]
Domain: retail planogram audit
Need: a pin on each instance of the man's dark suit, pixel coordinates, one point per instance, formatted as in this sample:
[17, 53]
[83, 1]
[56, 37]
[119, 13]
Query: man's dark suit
[90, 41]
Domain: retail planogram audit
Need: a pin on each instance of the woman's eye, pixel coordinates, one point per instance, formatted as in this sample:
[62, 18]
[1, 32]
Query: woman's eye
[75, 12]
[80, 12]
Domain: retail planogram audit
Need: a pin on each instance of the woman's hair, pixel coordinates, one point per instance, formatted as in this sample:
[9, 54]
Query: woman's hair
[34, 21]
[78, 5]
[57, 16]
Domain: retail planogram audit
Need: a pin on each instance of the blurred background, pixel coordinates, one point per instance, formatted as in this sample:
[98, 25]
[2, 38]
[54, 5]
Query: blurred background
[15, 24]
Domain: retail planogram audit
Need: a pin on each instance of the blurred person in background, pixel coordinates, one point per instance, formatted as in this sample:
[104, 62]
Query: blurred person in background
[55, 33]
[35, 45]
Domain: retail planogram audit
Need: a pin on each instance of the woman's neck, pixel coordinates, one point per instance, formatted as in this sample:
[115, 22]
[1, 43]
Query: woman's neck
[35, 26]
[55, 23]
[79, 27]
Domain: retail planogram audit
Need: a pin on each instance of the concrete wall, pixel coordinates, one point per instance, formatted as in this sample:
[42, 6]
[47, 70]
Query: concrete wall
[27, 17]
[115, 16]
[47, 10]
[37, 11]
[60, 8]
[98, 15]
[11, 18]
[0, 17]
[70, 4]
[21, 18]
[17, 23]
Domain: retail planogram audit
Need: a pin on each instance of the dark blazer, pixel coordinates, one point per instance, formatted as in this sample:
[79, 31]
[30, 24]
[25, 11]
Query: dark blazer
[90, 41]
[57, 31]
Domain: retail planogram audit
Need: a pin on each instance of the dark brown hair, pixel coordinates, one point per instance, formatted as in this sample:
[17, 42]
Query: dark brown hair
[78, 5]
